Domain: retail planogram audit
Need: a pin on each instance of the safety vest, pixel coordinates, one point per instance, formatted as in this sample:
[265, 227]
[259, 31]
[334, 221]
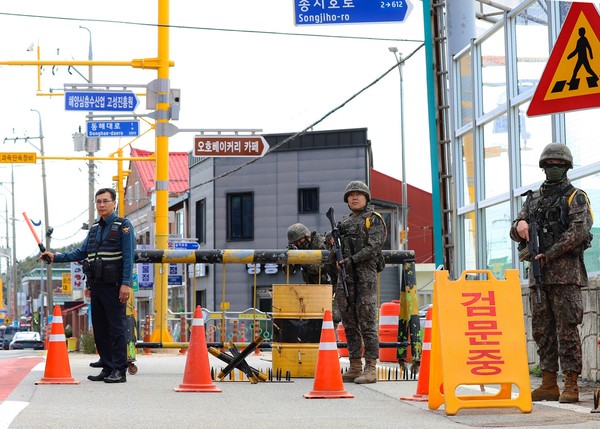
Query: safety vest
[105, 258]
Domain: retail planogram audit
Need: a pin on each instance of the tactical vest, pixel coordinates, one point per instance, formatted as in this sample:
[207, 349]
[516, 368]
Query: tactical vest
[552, 214]
[105, 258]
[354, 243]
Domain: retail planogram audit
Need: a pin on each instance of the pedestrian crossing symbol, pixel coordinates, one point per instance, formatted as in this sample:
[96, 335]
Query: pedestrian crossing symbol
[570, 80]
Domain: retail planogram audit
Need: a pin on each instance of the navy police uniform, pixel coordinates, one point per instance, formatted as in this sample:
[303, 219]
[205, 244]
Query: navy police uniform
[107, 254]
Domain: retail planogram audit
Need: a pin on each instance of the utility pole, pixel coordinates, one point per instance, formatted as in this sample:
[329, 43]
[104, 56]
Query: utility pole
[15, 288]
[48, 234]
[404, 232]
[46, 221]
[90, 144]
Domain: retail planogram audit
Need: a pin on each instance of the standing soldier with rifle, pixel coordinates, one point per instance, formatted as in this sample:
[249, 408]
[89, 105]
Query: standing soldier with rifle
[361, 236]
[564, 218]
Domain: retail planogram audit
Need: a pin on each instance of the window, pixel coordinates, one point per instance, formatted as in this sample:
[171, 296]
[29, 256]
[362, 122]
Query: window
[308, 200]
[240, 216]
[387, 218]
[495, 157]
[498, 242]
[137, 195]
[201, 221]
[180, 223]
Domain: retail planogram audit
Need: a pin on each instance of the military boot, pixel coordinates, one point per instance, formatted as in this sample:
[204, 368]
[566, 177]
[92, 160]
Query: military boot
[548, 391]
[354, 371]
[571, 392]
[369, 374]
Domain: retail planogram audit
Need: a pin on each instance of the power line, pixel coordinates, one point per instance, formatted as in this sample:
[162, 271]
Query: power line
[190, 27]
[318, 121]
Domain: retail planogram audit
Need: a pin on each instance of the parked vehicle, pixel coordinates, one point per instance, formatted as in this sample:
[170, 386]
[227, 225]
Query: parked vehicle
[8, 334]
[26, 340]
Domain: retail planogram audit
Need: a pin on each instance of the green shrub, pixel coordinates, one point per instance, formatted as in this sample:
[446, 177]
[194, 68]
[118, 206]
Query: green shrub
[87, 343]
[536, 371]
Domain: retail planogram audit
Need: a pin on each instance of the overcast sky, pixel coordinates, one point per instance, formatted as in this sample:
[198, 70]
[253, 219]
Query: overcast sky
[239, 64]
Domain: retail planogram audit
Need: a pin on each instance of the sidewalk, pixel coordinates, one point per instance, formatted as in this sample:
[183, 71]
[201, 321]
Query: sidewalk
[148, 400]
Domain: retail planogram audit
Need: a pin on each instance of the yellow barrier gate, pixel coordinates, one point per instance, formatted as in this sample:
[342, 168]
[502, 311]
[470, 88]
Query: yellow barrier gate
[478, 340]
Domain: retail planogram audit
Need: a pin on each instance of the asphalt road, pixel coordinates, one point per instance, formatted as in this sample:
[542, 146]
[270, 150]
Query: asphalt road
[148, 400]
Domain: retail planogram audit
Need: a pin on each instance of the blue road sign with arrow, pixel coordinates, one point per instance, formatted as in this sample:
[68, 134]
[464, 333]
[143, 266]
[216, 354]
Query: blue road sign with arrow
[101, 101]
[327, 12]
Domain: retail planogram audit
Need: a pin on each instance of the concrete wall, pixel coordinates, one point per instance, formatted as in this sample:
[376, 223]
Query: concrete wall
[589, 330]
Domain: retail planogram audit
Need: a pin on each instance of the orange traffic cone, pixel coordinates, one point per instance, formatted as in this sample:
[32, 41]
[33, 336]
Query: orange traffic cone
[58, 369]
[328, 377]
[197, 368]
[422, 394]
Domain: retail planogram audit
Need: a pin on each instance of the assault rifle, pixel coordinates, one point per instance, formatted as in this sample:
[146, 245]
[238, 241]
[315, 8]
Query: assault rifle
[337, 247]
[533, 246]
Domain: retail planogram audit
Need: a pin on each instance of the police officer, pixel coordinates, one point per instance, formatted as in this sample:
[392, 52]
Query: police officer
[362, 234]
[107, 255]
[564, 220]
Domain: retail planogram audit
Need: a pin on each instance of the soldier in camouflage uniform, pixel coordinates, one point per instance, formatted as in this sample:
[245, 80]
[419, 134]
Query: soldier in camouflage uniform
[564, 221]
[300, 238]
[362, 235]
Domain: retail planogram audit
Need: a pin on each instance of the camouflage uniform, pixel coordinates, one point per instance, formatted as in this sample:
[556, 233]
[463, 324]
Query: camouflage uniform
[313, 273]
[362, 247]
[564, 230]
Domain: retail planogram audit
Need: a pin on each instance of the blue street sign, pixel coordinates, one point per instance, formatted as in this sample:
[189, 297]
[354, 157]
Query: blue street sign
[175, 280]
[101, 101]
[113, 128]
[327, 12]
[186, 245]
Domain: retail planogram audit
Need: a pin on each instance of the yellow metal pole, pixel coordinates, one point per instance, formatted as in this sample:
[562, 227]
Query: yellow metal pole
[39, 70]
[161, 333]
[98, 158]
[2, 297]
[139, 63]
[120, 191]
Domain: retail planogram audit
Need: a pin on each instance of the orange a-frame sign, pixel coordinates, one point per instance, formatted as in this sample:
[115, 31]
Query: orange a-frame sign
[571, 77]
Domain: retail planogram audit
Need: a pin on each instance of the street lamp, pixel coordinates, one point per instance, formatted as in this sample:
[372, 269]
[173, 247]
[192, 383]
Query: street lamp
[404, 232]
[46, 221]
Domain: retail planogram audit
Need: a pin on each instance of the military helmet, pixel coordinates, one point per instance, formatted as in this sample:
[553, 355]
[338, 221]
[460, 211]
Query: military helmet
[296, 232]
[357, 186]
[556, 151]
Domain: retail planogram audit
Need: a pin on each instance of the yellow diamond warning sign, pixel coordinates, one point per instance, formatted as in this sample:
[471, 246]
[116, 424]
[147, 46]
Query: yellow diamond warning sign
[571, 78]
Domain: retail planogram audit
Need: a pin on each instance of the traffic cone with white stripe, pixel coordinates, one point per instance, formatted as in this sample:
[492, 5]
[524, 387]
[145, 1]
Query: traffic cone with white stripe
[328, 377]
[58, 369]
[422, 394]
[196, 377]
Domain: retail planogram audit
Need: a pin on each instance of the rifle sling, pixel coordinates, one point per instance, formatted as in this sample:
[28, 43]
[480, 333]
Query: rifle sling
[354, 274]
